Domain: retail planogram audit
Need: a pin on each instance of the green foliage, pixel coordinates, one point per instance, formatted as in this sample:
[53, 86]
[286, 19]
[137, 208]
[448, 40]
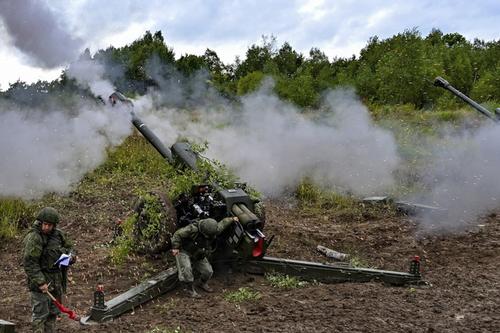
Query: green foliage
[488, 86]
[13, 214]
[153, 213]
[356, 261]
[396, 70]
[183, 182]
[285, 281]
[242, 295]
[299, 90]
[188, 64]
[134, 158]
[310, 194]
[288, 60]
[447, 116]
[250, 82]
[208, 172]
[219, 173]
[145, 230]
[403, 70]
[124, 244]
[314, 199]
[257, 56]
[141, 51]
[447, 102]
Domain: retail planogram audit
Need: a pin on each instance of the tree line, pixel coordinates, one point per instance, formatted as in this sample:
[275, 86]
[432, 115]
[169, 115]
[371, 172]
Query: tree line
[396, 70]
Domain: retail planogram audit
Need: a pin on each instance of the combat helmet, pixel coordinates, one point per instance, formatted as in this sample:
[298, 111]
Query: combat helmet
[49, 215]
[208, 227]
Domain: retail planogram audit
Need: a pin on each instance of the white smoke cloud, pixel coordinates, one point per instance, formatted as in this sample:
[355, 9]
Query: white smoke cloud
[272, 145]
[463, 178]
[50, 151]
[90, 74]
[38, 32]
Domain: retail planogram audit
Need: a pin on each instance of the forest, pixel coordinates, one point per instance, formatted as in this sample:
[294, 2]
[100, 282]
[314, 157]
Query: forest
[393, 71]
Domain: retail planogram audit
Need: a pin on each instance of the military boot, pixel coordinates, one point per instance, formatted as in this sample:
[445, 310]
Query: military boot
[204, 286]
[50, 325]
[37, 326]
[189, 290]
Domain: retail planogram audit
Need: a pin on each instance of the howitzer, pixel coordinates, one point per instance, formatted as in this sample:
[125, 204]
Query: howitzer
[440, 82]
[207, 200]
[243, 245]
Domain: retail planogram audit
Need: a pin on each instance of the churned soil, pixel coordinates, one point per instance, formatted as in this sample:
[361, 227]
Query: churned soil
[462, 272]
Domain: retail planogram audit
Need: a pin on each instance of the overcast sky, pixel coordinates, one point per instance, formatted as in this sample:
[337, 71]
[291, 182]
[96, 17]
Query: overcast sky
[38, 38]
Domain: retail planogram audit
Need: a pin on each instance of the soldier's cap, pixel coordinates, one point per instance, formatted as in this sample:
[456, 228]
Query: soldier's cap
[48, 215]
[208, 227]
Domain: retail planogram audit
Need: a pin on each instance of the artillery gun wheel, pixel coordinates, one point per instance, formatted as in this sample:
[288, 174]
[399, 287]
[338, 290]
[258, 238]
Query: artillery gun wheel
[155, 223]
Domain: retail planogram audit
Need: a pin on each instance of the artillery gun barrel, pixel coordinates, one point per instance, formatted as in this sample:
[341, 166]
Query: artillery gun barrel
[152, 138]
[440, 82]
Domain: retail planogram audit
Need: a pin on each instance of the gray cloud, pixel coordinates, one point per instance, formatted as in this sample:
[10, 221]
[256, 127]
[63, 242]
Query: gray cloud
[338, 28]
[331, 25]
[36, 31]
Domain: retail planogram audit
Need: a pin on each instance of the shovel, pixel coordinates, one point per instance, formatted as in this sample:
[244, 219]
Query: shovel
[71, 314]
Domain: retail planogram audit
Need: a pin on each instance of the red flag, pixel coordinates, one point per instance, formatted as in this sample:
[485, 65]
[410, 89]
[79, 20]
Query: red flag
[71, 314]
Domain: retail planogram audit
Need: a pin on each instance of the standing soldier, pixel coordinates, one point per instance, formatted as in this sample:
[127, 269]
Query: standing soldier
[43, 245]
[191, 246]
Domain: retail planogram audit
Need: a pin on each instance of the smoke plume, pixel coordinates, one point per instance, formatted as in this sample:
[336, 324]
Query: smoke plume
[273, 146]
[463, 178]
[90, 74]
[37, 32]
[48, 151]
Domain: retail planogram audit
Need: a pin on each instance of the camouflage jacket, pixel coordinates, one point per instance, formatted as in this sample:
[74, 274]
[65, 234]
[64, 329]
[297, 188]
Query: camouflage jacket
[191, 241]
[40, 253]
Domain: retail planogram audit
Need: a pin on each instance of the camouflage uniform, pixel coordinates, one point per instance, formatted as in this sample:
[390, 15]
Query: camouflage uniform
[40, 253]
[194, 248]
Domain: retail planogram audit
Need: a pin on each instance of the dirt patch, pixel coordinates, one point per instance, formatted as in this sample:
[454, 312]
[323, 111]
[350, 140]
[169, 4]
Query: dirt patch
[462, 270]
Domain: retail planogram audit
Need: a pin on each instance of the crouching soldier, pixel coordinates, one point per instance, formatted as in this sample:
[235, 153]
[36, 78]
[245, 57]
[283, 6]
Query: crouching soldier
[43, 246]
[191, 246]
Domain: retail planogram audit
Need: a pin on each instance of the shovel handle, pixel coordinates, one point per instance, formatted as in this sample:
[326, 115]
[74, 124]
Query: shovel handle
[51, 296]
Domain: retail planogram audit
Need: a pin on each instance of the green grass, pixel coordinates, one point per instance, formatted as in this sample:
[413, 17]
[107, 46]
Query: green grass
[357, 261]
[134, 161]
[131, 240]
[14, 214]
[243, 294]
[285, 281]
[316, 200]
[124, 244]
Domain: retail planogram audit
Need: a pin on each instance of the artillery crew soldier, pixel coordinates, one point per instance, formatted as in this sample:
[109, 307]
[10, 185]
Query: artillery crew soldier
[43, 246]
[191, 246]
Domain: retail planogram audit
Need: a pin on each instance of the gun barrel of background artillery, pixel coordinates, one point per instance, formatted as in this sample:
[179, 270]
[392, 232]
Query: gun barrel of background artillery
[440, 82]
[152, 138]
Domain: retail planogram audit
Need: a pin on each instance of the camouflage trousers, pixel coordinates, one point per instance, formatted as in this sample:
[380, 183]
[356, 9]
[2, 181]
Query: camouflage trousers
[44, 313]
[185, 265]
